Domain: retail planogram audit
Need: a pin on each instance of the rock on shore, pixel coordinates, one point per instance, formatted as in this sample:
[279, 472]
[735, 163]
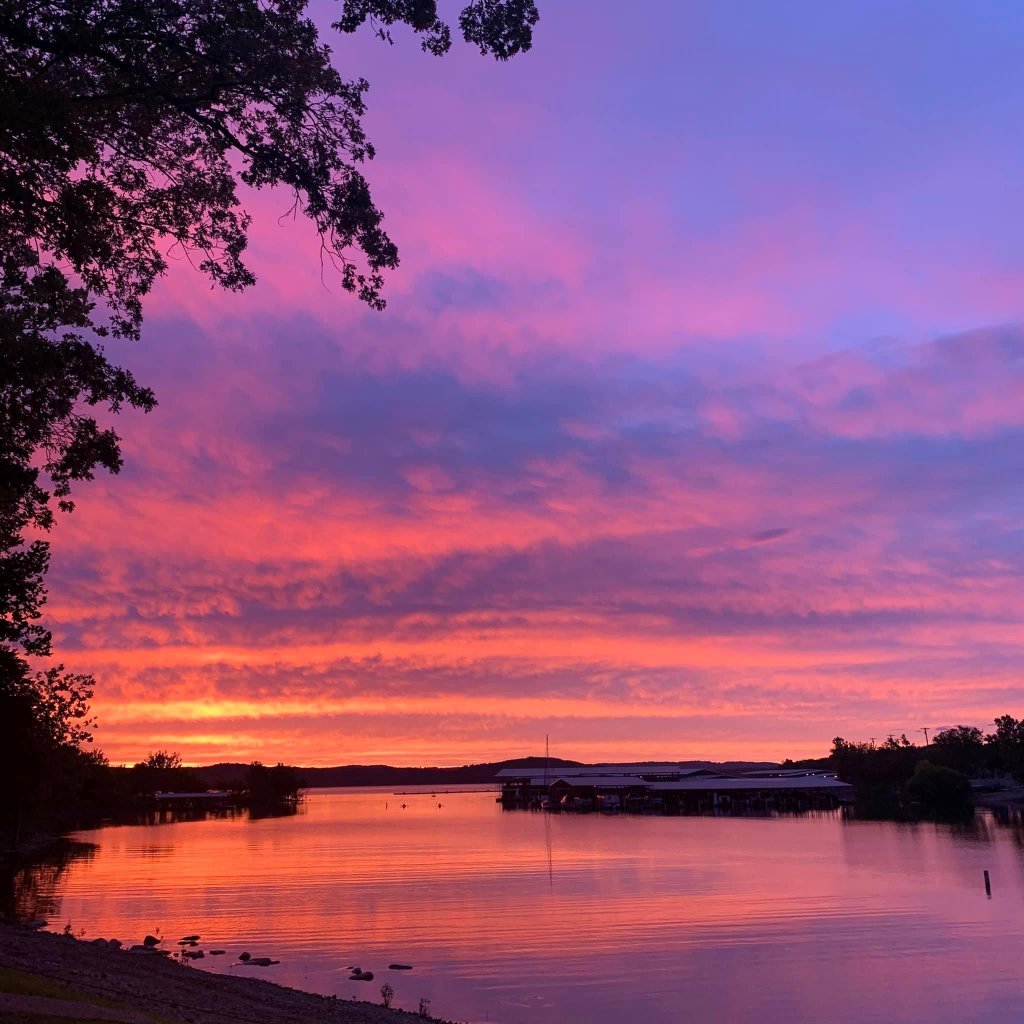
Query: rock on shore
[156, 985]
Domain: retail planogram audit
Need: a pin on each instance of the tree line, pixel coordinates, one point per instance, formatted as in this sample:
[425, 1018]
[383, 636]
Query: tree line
[899, 777]
[59, 785]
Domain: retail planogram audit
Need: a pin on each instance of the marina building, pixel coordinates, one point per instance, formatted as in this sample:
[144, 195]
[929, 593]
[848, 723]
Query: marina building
[671, 789]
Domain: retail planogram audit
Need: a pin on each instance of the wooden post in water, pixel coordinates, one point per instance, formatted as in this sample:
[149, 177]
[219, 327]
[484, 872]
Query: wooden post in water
[988, 885]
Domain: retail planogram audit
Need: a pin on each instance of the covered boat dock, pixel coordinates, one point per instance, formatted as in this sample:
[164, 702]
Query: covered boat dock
[671, 789]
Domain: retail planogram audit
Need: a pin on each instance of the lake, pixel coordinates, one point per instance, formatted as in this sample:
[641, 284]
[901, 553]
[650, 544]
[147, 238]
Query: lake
[517, 916]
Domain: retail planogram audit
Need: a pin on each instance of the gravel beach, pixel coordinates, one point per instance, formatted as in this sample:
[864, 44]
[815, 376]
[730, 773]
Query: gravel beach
[154, 985]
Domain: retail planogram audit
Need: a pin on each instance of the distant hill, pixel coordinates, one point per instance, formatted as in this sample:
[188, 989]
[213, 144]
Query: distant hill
[224, 775]
[731, 767]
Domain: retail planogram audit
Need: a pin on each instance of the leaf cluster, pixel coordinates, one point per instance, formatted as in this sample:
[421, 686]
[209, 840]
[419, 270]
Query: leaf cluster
[128, 127]
[51, 376]
[499, 28]
[126, 131]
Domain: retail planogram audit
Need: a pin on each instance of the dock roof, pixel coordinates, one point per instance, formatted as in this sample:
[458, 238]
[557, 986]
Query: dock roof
[603, 771]
[598, 781]
[724, 785]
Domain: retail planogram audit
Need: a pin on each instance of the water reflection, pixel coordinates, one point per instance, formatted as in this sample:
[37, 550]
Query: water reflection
[29, 889]
[173, 815]
[552, 918]
[30, 892]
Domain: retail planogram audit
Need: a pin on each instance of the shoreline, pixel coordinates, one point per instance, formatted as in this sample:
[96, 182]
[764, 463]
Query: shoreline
[162, 989]
[1002, 799]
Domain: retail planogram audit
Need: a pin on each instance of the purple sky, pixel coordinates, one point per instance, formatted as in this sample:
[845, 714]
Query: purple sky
[693, 428]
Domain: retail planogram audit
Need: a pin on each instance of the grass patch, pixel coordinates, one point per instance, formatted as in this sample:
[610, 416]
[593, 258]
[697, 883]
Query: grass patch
[21, 983]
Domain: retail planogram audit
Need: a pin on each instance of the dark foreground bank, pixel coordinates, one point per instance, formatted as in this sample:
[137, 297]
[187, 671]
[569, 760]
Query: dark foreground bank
[159, 989]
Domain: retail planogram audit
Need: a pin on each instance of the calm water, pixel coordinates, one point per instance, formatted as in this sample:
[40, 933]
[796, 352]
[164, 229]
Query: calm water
[518, 916]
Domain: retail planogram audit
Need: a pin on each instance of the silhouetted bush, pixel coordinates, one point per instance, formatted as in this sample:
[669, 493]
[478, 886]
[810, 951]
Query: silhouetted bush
[940, 791]
[162, 772]
[269, 787]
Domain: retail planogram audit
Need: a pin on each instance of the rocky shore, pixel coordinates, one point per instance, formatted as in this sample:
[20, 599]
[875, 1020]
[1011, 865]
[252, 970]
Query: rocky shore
[157, 989]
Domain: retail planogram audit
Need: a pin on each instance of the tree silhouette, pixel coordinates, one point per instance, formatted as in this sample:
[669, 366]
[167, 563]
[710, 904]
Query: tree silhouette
[126, 129]
[961, 747]
[45, 732]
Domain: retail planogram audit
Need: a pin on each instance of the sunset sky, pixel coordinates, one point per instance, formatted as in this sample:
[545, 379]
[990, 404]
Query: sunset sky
[694, 427]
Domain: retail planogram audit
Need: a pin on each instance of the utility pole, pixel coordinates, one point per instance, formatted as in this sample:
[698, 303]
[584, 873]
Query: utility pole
[872, 741]
[925, 731]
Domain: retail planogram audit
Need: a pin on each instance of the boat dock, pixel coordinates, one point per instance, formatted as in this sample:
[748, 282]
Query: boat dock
[671, 789]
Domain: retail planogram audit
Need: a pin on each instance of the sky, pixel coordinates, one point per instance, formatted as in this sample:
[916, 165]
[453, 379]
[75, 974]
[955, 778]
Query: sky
[694, 427]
